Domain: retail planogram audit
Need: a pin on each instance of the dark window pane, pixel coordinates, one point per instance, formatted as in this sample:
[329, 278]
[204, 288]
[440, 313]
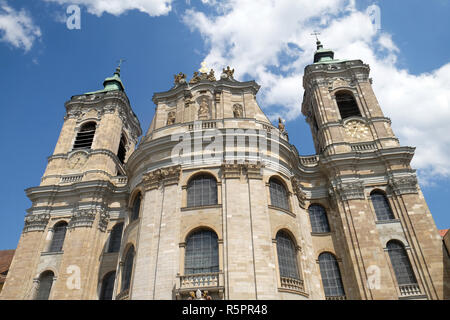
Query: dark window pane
[318, 217]
[127, 269]
[59, 233]
[400, 263]
[381, 206]
[287, 256]
[45, 285]
[202, 191]
[116, 238]
[108, 286]
[85, 136]
[347, 105]
[202, 253]
[136, 207]
[121, 153]
[331, 276]
[278, 195]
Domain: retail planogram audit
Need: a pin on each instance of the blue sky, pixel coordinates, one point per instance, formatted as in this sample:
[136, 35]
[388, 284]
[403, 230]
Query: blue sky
[43, 64]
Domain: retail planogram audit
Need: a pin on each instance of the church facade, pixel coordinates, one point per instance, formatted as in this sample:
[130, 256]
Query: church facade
[215, 203]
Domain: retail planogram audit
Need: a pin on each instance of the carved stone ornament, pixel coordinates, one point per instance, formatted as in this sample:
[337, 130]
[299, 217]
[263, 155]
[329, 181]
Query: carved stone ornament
[171, 118]
[36, 222]
[281, 125]
[238, 170]
[403, 185]
[298, 190]
[195, 78]
[77, 160]
[103, 220]
[351, 190]
[238, 111]
[356, 130]
[82, 218]
[211, 76]
[199, 295]
[165, 176]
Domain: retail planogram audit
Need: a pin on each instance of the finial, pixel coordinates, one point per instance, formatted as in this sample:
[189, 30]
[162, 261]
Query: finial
[204, 68]
[318, 43]
[118, 67]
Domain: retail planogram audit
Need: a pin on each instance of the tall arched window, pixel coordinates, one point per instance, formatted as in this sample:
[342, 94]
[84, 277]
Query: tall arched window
[331, 275]
[85, 136]
[400, 263]
[318, 218]
[121, 153]
[59, 234]
[45, 285]
[202, 191]
[287, 256]
[347, 105]
[278, 194]
[115, 238]
[136, 207]
[127, 269]
[107, 289]
[381, 206]
[202, 253]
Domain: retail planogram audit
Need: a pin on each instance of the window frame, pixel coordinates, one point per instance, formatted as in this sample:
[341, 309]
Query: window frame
[334, 271]
[213, 256]
[315, 220]
[279, 194]
[381, 216]
[56, 245]
[84, 138]
[198, 198]
[282, 268]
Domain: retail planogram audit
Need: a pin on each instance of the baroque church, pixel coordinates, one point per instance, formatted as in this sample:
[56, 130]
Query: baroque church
[215, 203]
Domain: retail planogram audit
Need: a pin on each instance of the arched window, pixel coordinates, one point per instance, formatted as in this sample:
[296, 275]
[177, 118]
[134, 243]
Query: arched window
[202, 253]
[136, 207]
[115, 238]
[202, 191]
[121, 153]
[127, 269]
[347, 105]
[381, 206]
[318, 218]
[45, 285]
[85, 136]
[287, 256]
[278, 194]
[331, 276]
[400, 263]
[59, 234]
[107, 289]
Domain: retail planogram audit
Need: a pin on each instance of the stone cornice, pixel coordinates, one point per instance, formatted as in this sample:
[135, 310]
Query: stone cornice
[238, 170]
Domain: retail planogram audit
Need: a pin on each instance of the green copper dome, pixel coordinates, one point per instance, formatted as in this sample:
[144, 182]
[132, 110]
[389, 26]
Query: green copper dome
[112, 83]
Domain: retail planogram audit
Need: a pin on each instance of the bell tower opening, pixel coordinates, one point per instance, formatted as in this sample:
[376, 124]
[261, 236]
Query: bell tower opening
[85, 136]
[347, 105]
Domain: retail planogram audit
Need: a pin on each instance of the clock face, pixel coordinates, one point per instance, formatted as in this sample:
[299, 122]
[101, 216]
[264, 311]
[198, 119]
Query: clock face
[77, 160]
[357, 130]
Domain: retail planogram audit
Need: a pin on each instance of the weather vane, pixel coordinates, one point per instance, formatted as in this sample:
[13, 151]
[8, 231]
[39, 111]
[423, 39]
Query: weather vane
[121, 61]
[315, 33]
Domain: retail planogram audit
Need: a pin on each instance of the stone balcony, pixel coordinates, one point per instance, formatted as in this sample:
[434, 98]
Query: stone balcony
[292, 284]
[409, 290]
[213, 283]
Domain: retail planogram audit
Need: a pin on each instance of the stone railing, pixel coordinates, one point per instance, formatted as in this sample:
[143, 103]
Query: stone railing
[200, 125]
[72, 179]
[336, 298]
[362, 147]
[407, 290]
[309, 161]
[120, 180]
[292, 284]
[201, 280]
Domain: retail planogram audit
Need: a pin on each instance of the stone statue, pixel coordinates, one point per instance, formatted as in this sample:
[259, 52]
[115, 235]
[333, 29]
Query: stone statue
[281, 126]
[229, 72]
[171, 118]
[179, 78]
[195, 78]
[203, 111]
[237, 111]
[211, 76]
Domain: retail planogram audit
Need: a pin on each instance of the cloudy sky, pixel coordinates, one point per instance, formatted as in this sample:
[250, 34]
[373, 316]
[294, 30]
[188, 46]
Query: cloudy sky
[45, 60]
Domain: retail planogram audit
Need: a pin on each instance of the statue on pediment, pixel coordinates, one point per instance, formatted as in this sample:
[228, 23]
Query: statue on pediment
[195, 79]
[281, 125]
[211, 76]
[179, 78]
[228, 72]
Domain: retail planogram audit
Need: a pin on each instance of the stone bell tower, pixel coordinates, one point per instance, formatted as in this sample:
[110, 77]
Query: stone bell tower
[367, 171]
[82, 194]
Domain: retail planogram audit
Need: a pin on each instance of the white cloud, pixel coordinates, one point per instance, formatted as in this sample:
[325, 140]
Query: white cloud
[17, 27]
[117, 7]
[271, 42]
